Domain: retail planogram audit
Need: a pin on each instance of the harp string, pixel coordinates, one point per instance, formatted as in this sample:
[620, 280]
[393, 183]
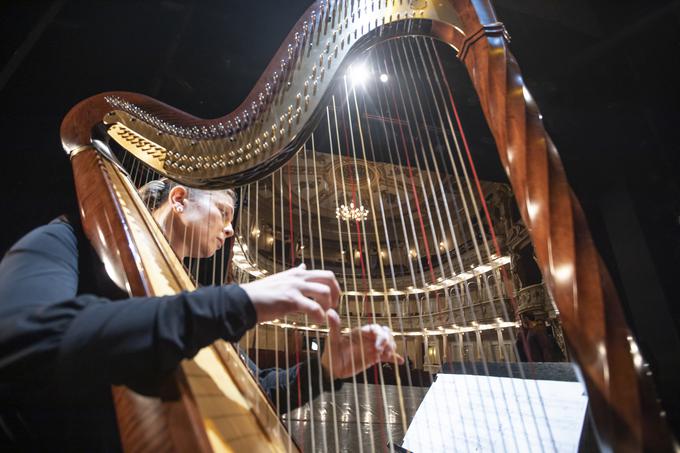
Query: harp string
[199, 241]
[257, 255]
[380, 253]
[274, 270]
[401, 143]
[445, 203]
[322, 266]
[413, 125]
[407, 88]
[484, 283]
[392, 113]
[312, 249]
[483, 235]
[480, 260]
[418, 122]
[191, 259]
[508, 284]
[502, 271]
[293, 256]
[378, 370]
[358, 253]
[392, 216]
[306, 318]
[400, 120]
[456, 245]
[348, 248]
[367, 277]
[343, 268]
[399, 203]
[413, 118]
[414, 147]
[246, 234]
[134, 171]
[283, 261]
[214, 263]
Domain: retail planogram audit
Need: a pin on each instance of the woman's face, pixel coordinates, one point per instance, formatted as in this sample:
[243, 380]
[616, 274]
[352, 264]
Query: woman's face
[206, 219]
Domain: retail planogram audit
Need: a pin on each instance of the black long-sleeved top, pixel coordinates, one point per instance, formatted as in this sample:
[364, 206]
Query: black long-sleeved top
[60, 351]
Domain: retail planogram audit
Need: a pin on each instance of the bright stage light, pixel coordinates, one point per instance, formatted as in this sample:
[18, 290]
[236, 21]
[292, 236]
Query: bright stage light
[384, 78]
[358, 74]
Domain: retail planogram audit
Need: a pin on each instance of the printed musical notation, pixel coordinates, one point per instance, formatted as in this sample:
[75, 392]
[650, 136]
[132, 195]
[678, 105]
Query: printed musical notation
[480, 413]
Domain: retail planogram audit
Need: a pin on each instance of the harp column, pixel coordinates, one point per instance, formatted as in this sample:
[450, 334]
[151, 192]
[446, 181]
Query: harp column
[621, 396]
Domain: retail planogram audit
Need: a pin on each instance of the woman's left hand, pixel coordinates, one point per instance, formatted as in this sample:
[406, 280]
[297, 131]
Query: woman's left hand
[346, 355]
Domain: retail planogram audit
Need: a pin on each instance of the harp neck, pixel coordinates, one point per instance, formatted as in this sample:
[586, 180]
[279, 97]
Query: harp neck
[285, 104]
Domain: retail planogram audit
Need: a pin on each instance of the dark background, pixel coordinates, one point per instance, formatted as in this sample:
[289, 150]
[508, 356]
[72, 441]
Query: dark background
[603, 72]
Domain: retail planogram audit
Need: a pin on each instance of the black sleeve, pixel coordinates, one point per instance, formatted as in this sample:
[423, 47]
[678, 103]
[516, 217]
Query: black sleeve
[47, 331]
[295, 386]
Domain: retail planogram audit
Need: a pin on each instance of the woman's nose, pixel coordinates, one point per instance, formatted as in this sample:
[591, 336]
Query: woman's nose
[228, 230]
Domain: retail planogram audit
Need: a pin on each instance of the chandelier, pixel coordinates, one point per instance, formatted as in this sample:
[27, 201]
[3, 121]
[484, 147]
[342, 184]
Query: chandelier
[351, 212]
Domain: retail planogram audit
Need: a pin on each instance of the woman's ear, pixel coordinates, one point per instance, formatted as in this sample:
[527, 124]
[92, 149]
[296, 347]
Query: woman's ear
[176, 198]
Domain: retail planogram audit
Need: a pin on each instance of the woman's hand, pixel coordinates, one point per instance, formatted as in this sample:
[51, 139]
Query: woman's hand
[346, 355]
[296, 290]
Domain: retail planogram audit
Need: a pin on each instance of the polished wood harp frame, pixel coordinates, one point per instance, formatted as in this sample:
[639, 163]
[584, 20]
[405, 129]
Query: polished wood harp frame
[242, 147]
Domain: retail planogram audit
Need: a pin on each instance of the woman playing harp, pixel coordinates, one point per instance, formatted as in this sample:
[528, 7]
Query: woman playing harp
[270, 127]
[62, 350]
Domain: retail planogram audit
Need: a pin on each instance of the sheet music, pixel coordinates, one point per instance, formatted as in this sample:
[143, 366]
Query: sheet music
[496, 414]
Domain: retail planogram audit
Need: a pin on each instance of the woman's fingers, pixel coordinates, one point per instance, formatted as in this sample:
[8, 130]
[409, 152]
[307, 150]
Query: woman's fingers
[379, 344]
[317, 291]
[375, 335]
[297, 289]
[318, 277]
[310, 307]
[334, 326]
[391, 356]
[326, 278]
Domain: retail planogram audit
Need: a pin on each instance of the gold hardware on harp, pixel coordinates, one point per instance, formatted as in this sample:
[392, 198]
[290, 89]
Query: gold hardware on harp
[276, 105]
[145, 150]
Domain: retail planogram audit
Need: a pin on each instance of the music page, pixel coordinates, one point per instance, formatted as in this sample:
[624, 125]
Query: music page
[469, 413]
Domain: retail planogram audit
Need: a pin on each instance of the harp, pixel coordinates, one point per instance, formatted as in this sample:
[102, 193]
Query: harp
[269, 141]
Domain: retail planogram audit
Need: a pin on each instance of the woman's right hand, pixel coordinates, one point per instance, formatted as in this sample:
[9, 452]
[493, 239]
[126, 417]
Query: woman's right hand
[296, 290]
